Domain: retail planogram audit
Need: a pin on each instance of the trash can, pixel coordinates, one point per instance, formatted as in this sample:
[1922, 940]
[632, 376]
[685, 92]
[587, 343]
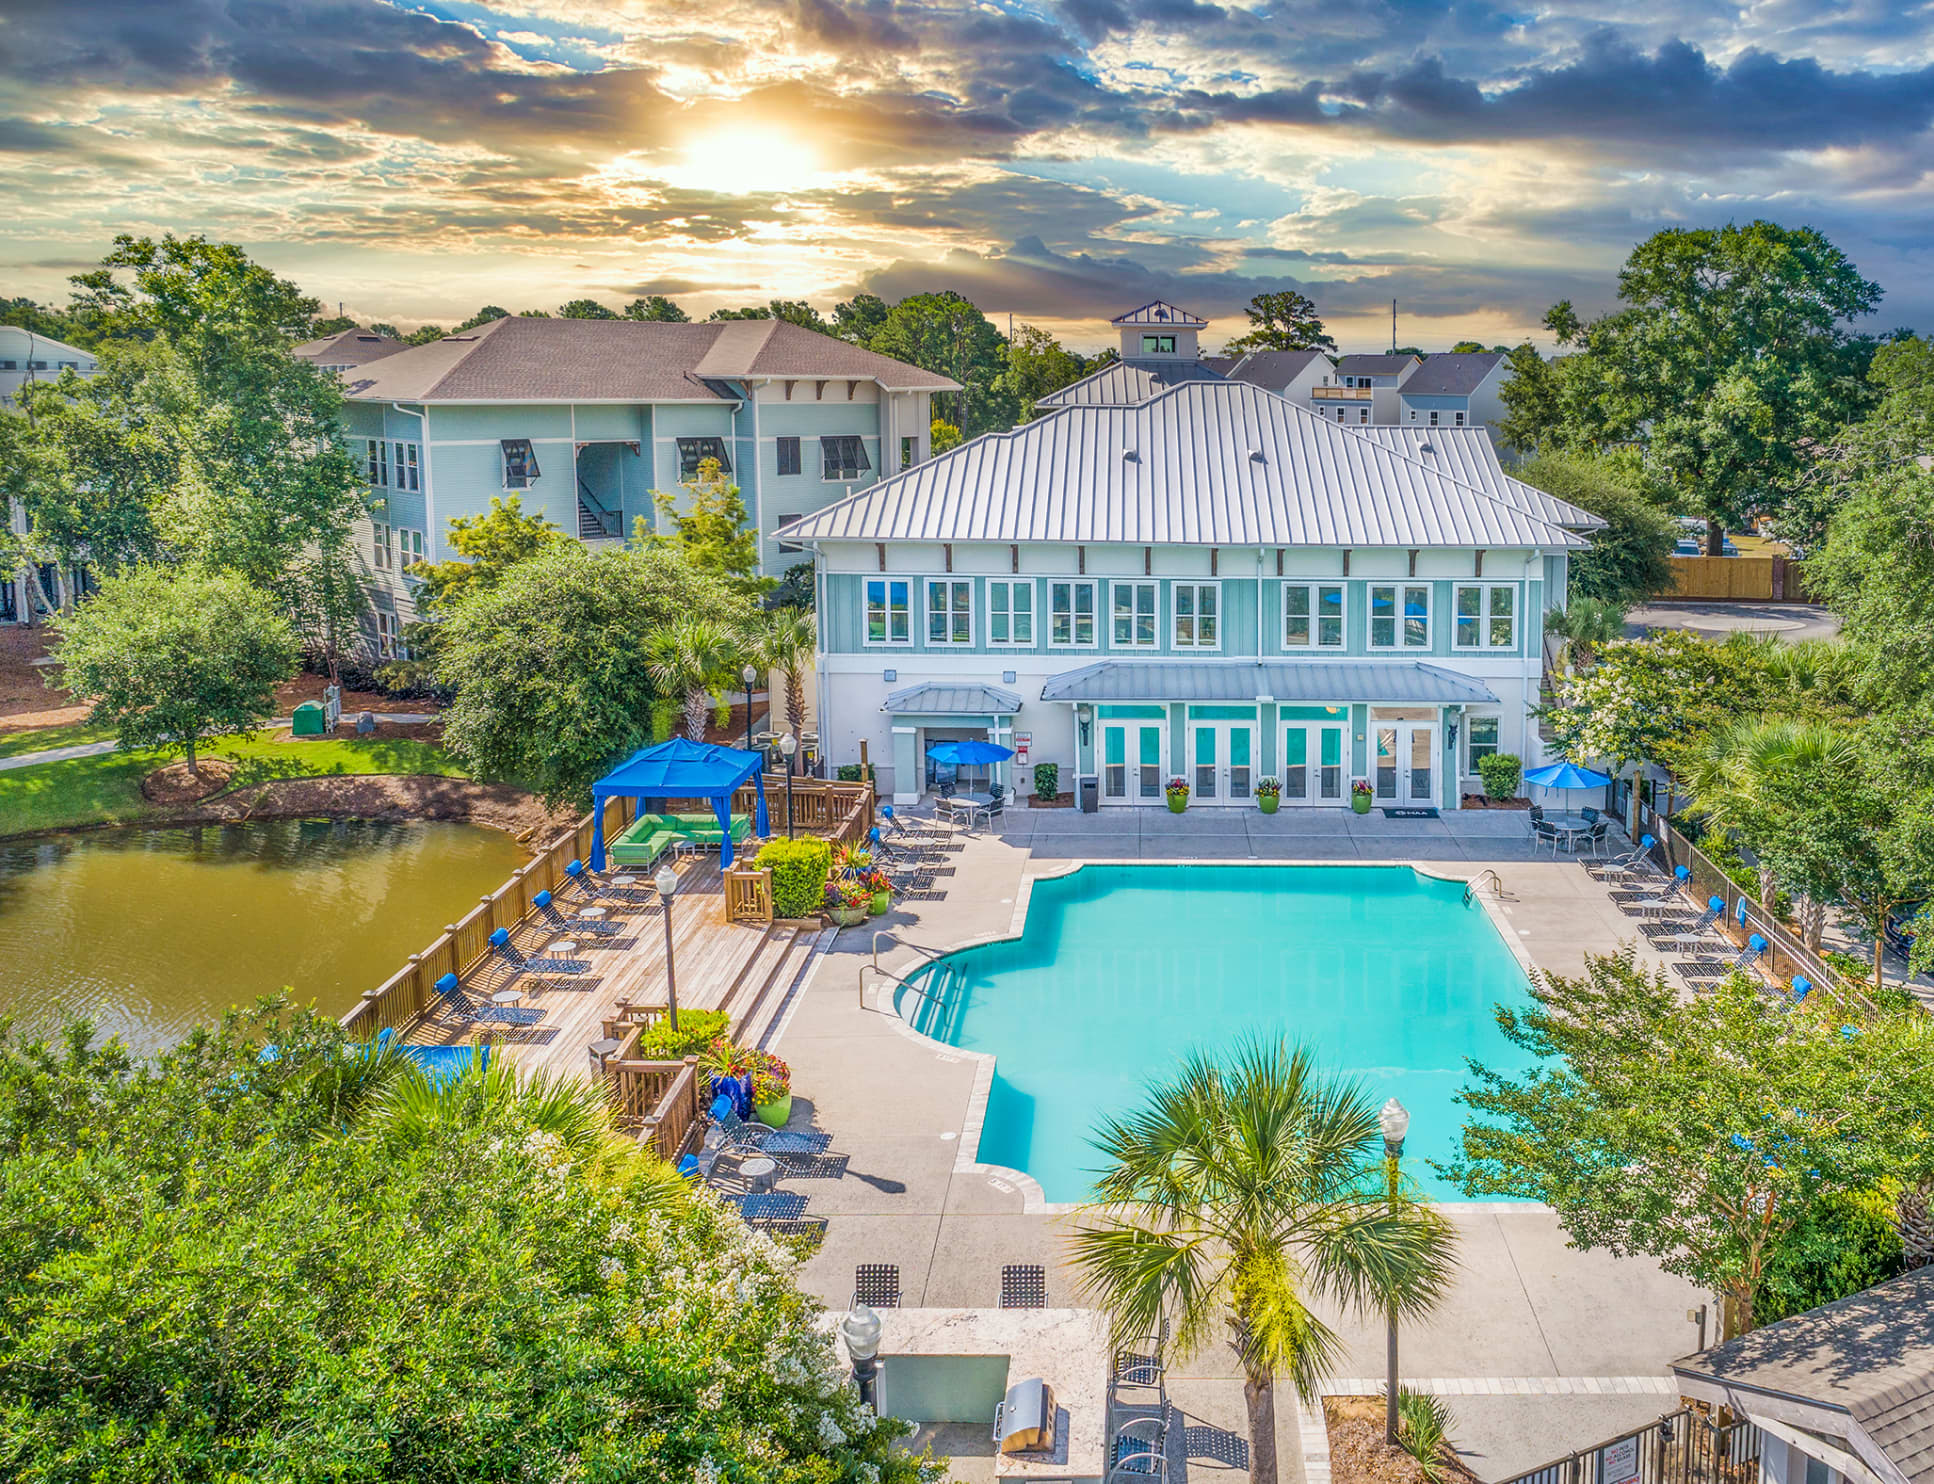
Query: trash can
[1090, 794]
[307, 720]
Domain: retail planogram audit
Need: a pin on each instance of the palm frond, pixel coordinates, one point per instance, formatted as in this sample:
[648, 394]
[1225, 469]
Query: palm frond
[1423, 1430]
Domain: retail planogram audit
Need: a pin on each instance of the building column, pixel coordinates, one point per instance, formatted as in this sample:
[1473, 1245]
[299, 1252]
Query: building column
[906, 764]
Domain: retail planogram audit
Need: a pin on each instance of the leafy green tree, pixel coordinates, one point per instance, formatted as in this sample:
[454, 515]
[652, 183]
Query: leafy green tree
[859, 318]
[713, 529]
[1656, 699]
[548, 665]
[792, 311]
[584, 309]
[168, 657]
[482, 317]
[73, 328]
[1889, 440]
[1629, 560]
[1876, 572]
[312, 1267]
[1283, 320]
[1729, 358]
[947, 335]
[1844, 1245]
[384, 328]
[1699, 1131]
[943, 435]
[425, 335]
[1037, 365]
[691, 661]
[658, 308]
[486, 546]
[1237, 1194]
[1586, 625]
[785, 640]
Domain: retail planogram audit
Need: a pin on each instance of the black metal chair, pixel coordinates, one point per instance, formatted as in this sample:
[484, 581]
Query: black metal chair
[1024, 1286]
[877, 1285]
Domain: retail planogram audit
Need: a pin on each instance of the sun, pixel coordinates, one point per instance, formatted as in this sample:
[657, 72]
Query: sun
[745, 161]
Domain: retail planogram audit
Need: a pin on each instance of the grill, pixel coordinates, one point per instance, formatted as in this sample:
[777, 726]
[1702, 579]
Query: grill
[1024, 1421]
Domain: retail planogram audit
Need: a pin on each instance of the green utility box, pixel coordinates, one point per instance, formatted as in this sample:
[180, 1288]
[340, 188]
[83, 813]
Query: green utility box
[308, 720]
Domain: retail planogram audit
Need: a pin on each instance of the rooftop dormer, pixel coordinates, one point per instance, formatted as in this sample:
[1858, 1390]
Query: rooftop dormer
[1159, 332]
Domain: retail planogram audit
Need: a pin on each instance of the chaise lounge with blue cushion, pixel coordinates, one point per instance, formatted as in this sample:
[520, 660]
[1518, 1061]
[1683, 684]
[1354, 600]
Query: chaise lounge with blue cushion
[598, 927]
[458, 1004]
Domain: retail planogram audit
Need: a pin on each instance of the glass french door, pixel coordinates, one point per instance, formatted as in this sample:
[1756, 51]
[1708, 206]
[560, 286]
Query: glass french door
[1313, 763]
[1134, 761]
[1222, 755]
[1406, 762]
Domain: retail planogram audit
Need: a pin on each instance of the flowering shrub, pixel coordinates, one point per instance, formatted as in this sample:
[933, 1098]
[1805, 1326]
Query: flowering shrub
[1652, 699]
[877, 881]
[851, 860]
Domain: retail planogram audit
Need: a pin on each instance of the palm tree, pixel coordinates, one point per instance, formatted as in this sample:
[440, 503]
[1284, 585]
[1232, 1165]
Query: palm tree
[1235, 1195]
[785, 641]
[1587, 625]
[692, 658]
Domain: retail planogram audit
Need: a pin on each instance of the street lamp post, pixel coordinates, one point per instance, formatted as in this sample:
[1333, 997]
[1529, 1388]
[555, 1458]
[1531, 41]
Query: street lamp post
[667, 884]
[861, 1331]
[748, 675]
[1394, 1120]
[789, 744]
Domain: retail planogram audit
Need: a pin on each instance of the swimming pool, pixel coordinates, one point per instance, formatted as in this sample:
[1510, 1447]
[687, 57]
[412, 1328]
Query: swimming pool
[1384, 972]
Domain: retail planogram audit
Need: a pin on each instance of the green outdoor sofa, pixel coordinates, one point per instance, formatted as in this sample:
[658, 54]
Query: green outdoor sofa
[651, 835]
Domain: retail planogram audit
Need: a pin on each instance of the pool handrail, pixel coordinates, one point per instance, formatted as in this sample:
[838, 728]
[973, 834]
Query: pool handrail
[929, 955]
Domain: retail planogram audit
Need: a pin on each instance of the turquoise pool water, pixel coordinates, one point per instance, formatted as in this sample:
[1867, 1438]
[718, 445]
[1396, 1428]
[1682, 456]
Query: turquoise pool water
[1122, 969]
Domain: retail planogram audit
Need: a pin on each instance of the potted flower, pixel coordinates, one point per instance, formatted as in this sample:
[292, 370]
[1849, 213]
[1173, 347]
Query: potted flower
[771, 1078]
[848, 902]
[1178, 795]
[1269, 794]
[851, 861]
[882, 889]
[1362, 796]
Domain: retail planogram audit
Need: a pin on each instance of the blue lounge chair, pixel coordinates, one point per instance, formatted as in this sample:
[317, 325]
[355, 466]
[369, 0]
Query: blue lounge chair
[1661, 900]
[737, 1133]
[599, 927]
[769, 1205]
[450, 989]
[1634, 862]
[1685, 935]
[1712, 968]
[547, 971]
[595, 888]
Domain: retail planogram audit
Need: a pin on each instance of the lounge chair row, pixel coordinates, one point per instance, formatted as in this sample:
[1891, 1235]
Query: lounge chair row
[1642, 890]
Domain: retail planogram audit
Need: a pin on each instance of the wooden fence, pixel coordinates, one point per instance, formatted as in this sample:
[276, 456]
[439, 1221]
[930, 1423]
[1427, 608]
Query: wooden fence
[411, 991]
[842, 812]
[664, 1100]
[748, 894]
[1745, 579]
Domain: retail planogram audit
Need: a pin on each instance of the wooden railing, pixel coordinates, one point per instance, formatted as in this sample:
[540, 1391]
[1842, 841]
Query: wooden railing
[839, 811]
[664, 1101]
[411, 991]
[748, 894]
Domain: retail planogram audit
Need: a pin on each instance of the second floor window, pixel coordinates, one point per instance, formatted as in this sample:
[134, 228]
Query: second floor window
[1313, 615]
[1158, 345]
[403, 468]
[950, 612]
[694, 451]
[1487, 617]
[381, 557]
[376, 461]
[788, 455]
[1071, 609]
[409, 548]
[1134, 615]
[1386, 631]
[887, 618]
[1010, 612]
[1197, 609]
[520, 464]
[843, 458]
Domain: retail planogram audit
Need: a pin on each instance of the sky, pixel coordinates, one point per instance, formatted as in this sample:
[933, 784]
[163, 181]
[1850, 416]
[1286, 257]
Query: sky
[1057, 160]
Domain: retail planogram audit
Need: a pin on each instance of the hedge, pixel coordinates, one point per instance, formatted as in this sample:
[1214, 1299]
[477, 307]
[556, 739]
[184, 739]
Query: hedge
[1501, 772]
[697, 1029]
[1047, 781]
[799, 869]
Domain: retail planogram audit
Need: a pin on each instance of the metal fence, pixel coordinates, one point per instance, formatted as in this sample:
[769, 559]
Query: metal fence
[1683, 1447]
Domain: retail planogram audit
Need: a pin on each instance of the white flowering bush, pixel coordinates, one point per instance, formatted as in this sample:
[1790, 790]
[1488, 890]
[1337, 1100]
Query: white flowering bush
[1651, 699]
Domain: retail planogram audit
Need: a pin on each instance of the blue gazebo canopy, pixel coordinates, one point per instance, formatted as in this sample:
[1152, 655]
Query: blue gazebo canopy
[681, 769]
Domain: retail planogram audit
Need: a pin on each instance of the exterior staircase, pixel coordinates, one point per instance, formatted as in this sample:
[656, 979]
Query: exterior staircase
[595, 522]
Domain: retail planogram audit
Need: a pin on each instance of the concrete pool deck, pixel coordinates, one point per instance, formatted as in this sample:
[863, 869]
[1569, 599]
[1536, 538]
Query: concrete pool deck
[1542, 1349]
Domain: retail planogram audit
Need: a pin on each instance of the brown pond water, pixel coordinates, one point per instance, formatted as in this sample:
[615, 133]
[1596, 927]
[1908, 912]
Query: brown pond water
[148, 933]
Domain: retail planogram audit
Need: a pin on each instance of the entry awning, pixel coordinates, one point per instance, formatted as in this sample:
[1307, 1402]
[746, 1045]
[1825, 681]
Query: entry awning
[1295, 682]
[936, 698]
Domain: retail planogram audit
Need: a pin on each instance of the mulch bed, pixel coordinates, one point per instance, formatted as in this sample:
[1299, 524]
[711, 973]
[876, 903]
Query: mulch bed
[1484, 801]
[1059, 801]
[1359, 1454]
[175, 784]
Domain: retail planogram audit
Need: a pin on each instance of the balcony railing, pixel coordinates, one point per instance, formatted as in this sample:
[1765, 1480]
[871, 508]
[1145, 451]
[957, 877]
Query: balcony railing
[1342, 393]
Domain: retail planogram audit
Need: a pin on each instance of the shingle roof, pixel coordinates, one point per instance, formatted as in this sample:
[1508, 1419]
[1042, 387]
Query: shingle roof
[1871, 1356]
[352, 347]
[936, 697]
[1374, 365]
[1270, 369]
[588, 360]
[1207, 463]
[1160, 312]
[1450, 375]
[1126, 383]
[1467, 454]
[1295, 681]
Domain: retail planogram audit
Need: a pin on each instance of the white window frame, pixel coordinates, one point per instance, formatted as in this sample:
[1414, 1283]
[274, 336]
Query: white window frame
[1315, 616]
[1400, 617]
[1363, 414]
[780, 451]
[1074, 641]
[1136, 591]
[952, 587]
[1470, 738]
[382, 554]
[1000, 605]
[389, 637]
[1458, 419]
[376, 463]
[404, 458]
[886, 586]
[1175, 616]
[1484, 617]
[410, 548]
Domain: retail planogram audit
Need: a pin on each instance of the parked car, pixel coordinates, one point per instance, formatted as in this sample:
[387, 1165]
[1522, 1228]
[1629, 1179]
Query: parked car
[1693, 546]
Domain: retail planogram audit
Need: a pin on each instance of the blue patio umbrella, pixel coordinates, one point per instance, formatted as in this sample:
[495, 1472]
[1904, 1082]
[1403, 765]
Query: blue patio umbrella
[969, 754]
[1566, 775]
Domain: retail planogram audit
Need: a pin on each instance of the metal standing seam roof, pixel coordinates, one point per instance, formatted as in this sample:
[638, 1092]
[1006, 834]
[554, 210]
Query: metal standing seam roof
[1202, 464]
[1128, 383]
[1469, 455]
[520, 359]
[1870, 1356]
[1290, 681]
[1452, 374]
[936, 697]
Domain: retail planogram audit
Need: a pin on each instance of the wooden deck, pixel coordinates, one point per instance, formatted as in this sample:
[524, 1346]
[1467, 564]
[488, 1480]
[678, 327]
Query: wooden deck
[744, 969]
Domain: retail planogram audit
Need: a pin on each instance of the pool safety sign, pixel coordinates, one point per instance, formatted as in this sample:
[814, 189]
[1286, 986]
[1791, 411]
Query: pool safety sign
[1618, 1463]
[1022, 741]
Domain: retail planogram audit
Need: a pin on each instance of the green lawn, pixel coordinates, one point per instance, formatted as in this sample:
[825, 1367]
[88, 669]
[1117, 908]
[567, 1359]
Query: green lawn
[107, 789]
[12, 744]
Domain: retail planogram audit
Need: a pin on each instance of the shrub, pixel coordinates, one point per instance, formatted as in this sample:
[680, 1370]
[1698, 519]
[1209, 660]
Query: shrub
[1423, 1430]
[697, 1030]
[799, 871]
[1845, 1243]
[1047, 781]
[1501, 772]
[854, 772]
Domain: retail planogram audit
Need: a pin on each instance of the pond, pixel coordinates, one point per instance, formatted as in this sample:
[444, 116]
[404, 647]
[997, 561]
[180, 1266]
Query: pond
[148, 933]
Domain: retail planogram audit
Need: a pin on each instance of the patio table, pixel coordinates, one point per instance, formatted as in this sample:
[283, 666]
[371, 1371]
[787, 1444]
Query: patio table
[1571, 826]
[969, 804]
[592, 914]
[759, 1171]
[562, 948]
[507, 997]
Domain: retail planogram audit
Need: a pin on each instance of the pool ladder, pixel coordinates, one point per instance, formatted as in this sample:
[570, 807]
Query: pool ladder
[928, 955]
[1471, 886]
